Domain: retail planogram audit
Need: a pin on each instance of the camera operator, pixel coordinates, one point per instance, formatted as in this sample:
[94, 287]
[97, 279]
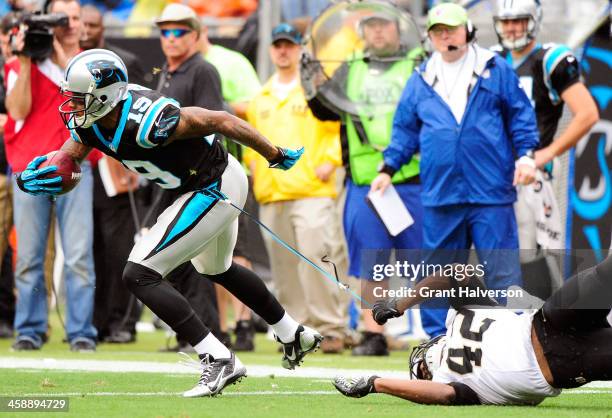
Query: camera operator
[35, 128]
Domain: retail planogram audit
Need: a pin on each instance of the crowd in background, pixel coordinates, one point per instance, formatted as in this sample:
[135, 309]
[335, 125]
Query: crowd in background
[318, 207]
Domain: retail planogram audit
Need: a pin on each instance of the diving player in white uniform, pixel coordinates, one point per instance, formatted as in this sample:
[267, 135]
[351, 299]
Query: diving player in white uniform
[177, 148]
[491, 355]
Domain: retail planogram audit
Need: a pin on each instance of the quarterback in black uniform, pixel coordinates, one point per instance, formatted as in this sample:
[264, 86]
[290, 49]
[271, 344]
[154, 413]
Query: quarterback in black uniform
[550, 75]
[178, 149]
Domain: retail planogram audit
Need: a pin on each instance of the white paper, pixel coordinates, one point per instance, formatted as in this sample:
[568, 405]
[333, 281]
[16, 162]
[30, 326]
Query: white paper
[107, 179]
[391, 210]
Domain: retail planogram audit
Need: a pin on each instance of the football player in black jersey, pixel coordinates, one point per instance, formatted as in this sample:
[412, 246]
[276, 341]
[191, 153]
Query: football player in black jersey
[550, 75]
[177, 148]
[492, 355]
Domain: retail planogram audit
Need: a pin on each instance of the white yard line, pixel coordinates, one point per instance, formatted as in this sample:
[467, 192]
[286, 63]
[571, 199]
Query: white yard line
[175, 368]
[258, 393]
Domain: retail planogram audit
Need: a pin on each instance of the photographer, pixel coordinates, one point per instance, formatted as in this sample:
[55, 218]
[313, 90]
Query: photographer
[35, 128]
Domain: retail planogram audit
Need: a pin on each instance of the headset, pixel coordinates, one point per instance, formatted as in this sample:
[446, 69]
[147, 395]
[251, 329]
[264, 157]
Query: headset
[469, 38]
[471, 32]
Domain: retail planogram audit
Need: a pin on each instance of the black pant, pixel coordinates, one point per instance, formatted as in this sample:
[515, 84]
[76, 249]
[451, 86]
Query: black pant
[115, 308]
[7, 284]
[573, 329]
[199, 292]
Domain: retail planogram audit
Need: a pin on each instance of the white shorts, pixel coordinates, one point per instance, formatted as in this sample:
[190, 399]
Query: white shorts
[197, 227]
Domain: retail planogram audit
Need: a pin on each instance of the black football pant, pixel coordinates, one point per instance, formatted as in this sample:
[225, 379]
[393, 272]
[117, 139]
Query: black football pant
[573, 329]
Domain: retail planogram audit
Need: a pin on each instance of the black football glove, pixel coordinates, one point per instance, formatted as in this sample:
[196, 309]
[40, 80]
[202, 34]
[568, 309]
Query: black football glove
[385, 309]
[357, 387]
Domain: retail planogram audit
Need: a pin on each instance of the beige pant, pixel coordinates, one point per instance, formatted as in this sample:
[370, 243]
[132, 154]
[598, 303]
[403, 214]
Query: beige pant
[313, 228]
[6, 214]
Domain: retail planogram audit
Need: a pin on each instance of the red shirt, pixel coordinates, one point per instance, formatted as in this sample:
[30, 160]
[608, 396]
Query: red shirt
[43, 130]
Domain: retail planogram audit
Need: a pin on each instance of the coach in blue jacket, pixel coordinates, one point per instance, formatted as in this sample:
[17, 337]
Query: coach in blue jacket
[475, 128]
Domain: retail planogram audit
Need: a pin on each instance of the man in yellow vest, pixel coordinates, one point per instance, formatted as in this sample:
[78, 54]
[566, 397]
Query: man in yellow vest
[299, 206]
[373, 81]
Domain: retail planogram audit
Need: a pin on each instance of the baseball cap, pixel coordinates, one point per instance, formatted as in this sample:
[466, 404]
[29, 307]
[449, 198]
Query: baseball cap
[449, 14]
[179, 13]
[378, 15]
[287, 32]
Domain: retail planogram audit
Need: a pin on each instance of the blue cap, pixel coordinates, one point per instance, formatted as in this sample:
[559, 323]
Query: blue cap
[287, 32]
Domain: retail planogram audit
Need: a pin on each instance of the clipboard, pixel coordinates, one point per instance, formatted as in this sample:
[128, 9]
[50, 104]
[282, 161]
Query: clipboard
[391, 210]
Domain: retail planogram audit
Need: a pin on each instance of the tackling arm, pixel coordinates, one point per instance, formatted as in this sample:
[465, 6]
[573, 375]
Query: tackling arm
[393, 308]
[419, 391]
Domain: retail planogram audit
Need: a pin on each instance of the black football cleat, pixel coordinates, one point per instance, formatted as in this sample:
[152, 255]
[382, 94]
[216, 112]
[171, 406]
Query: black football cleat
[306, 341]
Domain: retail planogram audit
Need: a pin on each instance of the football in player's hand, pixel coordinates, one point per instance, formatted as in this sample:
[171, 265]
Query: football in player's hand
[67, 168]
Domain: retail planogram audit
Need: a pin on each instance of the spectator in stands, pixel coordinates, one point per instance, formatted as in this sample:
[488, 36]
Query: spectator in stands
[93, 37]
[192, 81]
[466, 114]
[363, 139]
[239, 83]
[34, 128]
[116, 310]
[299, 207]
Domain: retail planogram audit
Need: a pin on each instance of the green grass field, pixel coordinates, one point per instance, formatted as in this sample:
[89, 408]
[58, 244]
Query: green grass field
[138, 394]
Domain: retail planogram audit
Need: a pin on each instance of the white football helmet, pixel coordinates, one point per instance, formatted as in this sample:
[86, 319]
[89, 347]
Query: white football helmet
[426, 358]
[513, 10]
[95, 81]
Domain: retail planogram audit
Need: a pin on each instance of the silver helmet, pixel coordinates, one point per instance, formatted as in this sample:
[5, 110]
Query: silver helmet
[531, 10]
[95, 81]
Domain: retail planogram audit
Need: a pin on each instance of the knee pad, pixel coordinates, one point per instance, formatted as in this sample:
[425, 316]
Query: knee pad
[137, 275]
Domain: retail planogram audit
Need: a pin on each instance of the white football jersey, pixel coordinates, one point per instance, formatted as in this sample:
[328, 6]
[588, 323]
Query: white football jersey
[490, 351]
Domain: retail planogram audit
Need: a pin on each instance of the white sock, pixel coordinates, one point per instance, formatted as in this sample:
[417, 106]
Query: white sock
[285, 328]
[211, 345]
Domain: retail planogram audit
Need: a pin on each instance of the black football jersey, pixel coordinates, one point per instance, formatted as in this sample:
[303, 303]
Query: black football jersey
[140, 142]
[544, 75]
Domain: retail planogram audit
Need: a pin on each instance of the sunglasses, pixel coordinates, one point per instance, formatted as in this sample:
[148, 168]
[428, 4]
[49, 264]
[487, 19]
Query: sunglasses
[177, 33]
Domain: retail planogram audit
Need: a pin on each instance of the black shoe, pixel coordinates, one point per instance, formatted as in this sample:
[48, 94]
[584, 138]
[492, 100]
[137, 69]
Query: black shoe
[245, 336]
[216, 375]
[120, 337]
[25, 344]
[6, 330]
[306, 340]
[82, 345]
[373, 344]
